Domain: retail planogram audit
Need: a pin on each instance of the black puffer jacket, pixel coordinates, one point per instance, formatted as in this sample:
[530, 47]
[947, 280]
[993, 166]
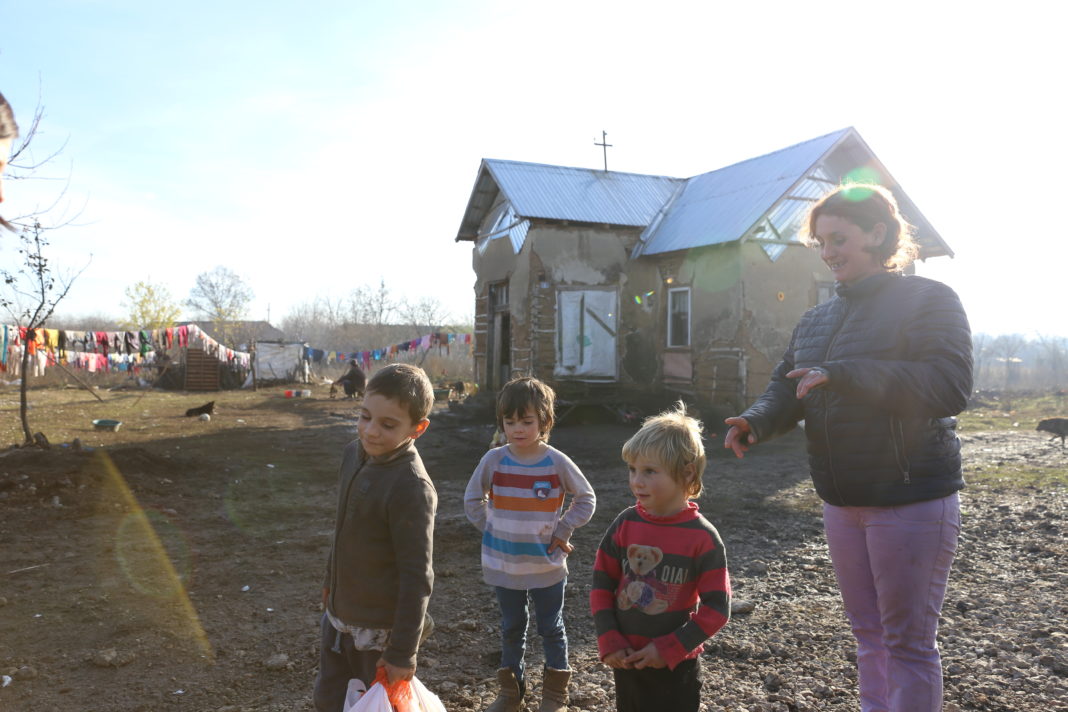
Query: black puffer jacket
[899, 354]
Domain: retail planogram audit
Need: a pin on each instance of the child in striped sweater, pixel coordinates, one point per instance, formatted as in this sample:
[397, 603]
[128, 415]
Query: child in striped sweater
[660, 583]
[516, 499]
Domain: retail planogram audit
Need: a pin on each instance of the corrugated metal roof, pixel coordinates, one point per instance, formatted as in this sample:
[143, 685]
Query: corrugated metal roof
[720, 206]
[677, 214]
[581, 194]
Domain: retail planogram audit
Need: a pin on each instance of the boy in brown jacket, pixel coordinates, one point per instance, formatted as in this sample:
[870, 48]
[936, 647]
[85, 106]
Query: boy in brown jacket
[380, 573]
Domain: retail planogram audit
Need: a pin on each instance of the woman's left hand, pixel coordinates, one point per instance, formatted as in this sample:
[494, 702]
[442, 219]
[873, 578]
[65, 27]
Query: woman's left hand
[811, 378]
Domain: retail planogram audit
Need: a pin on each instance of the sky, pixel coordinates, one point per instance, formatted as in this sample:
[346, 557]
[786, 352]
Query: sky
[318, 147]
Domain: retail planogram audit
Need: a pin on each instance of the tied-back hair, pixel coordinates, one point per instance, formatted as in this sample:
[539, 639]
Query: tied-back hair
[406, 384]
[8, 129]
[527, 395]
[672, 439]
[866, 205]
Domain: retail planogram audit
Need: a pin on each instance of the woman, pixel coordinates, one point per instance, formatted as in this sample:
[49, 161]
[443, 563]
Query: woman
[354, 380]
[9, 131]
[877, 374]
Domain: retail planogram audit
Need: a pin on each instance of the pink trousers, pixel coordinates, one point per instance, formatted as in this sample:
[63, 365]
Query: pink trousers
[892, 565]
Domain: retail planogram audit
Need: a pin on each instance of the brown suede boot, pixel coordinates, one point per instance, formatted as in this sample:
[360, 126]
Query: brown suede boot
[554, 690]
[510, 697]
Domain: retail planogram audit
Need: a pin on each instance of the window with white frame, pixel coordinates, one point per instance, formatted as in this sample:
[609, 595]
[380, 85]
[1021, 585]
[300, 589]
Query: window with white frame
[678, 317]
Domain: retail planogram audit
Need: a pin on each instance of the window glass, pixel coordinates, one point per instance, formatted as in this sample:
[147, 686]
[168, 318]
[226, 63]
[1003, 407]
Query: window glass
[679, 317]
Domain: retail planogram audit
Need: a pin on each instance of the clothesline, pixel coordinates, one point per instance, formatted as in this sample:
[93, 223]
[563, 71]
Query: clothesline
[105, 350]
[366, 357]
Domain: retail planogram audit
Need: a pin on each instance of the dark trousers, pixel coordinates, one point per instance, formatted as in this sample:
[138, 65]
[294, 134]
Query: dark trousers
[659, 689]
[339, 662]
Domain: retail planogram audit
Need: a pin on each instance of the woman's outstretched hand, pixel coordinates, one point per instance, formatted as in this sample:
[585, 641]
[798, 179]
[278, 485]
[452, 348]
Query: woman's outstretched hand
[739, 437]
[811, 378]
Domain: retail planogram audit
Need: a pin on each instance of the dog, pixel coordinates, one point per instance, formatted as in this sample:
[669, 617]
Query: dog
[206, 409]
[1057, 426]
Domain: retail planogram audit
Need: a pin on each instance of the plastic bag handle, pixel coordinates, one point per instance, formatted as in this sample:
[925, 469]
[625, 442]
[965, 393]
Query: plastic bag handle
[399, 693]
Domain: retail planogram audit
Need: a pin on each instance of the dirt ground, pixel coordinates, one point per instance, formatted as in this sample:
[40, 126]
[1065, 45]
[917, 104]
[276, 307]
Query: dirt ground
[176, 563]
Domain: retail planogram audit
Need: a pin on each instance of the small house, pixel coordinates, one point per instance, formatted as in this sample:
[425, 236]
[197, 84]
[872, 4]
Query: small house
[602, 282]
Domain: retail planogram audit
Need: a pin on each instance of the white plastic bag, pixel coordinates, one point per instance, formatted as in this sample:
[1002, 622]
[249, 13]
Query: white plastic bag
[423, 700]
[374, 700]
[355, 691]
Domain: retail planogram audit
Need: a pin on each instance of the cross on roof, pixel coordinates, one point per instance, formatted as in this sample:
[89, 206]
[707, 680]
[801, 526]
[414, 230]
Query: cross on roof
[604, 146]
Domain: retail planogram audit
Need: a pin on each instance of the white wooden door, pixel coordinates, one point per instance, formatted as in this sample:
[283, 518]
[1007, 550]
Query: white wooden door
[586, 333]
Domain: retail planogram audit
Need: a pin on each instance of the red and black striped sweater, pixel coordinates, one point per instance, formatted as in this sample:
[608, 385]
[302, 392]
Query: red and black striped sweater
[660, 579]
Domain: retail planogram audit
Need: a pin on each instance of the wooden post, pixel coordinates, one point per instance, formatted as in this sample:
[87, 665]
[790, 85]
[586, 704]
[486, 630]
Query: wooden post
[80, 382]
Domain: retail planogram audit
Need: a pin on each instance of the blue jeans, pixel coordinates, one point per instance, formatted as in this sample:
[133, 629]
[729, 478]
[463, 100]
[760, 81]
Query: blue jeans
[892, 565]
[549, 616]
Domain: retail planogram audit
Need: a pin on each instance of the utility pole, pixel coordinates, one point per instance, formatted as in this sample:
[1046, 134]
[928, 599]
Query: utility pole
[604, 146]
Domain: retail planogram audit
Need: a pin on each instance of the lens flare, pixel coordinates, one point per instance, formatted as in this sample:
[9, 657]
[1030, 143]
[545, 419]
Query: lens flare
[711, 274]
[643, 298]
[861, 174]
[136, 554]
[252, 502]
[144, 558]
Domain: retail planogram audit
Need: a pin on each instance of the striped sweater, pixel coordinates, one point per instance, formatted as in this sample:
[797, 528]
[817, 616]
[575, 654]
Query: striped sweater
[518, 505]
[660, 579]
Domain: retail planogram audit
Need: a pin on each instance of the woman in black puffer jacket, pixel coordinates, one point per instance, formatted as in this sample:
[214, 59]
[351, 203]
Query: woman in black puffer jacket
[877, 374]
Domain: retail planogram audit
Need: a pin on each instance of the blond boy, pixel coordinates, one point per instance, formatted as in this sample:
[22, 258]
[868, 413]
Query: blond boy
[660, 582]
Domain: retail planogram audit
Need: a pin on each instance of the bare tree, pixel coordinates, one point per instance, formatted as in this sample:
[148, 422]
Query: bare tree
[981, 356]
[1053, 352]
[372, 306]
[1007, 348]
[315, 321]
[34, 292]
[220, 296]
[25, 165]
[423, 315]
[33, 289]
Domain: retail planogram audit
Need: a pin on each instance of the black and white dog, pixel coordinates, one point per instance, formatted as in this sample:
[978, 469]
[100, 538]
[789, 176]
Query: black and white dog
[207, 408]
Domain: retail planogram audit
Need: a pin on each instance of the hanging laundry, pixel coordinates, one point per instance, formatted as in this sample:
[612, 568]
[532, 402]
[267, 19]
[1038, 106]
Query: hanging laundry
[14, 360]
